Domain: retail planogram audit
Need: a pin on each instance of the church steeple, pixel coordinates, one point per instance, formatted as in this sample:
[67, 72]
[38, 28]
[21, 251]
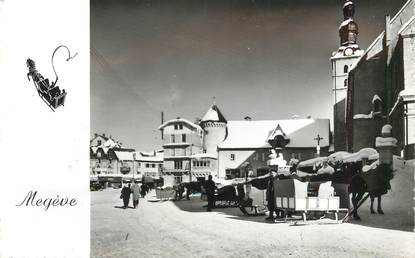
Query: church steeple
[348, 29]
[342, 60]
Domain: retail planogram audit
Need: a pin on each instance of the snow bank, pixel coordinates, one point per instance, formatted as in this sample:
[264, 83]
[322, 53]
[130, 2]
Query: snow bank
[386, 141]
[363, 116]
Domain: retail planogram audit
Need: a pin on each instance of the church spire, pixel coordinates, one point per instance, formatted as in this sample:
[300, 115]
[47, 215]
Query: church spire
[348, 29]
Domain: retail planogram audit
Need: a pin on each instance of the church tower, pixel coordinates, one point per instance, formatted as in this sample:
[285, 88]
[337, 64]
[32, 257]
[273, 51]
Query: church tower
[214, 126]
[341, 61]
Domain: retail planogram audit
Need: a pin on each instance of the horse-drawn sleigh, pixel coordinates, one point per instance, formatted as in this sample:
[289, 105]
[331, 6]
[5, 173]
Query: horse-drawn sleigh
[309, 191]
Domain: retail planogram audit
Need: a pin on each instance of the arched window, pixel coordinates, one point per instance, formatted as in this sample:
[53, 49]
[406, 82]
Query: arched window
[345, 69]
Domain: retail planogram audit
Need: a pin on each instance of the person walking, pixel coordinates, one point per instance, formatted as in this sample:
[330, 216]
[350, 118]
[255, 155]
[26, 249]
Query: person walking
[125, 195]
[210, 192]
[136, 194]
[143, 190]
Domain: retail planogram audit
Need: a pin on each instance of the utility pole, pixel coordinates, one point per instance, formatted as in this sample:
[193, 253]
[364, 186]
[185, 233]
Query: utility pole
[133, 166]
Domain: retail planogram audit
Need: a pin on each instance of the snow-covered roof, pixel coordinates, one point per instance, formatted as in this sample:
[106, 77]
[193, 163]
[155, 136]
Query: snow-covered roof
[124, 155]
[376, 97]
[213, 114]
[346, 22]
[129, 156]
[110, 143]
[180, 120]
[407, 95]
[372, 50]
[408, 28]
[348, 3]
[254, 134]
[203, 156]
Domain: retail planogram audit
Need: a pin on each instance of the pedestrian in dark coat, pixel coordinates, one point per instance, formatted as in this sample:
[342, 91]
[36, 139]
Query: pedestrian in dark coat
[210, 192]
[125, 194]
[143, 190]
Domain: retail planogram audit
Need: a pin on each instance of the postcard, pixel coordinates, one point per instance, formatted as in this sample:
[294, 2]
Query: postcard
[242, 128]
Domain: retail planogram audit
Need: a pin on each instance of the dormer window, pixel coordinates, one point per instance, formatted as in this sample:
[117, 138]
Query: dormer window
[377, 105]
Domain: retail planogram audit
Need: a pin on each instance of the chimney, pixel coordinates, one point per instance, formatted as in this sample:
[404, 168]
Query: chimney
[95, 135]
[247, 118]
[103, 134]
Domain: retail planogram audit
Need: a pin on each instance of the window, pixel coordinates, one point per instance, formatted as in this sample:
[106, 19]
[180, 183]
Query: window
[153, 165]
[233, 173]
[173, 138]
[232, 157]
[99, 142]
[176, 127]
[147, 165]
[178, 164]
[208, 163]
[180, 127]
[345, 69]
[194, 163]
[178, 179]
[345, 83]
[139, 164]
[160, 165]
[183, 138]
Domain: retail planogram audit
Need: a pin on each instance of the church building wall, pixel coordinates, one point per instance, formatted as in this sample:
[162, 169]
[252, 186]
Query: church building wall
[366, 80]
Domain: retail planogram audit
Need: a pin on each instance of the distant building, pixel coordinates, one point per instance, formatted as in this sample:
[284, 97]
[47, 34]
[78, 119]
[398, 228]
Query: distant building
[110, 162]
[222, 148]
[381, 86]
[342, 60]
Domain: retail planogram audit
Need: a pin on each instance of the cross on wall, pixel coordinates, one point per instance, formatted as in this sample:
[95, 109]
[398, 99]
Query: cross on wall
[318, 139]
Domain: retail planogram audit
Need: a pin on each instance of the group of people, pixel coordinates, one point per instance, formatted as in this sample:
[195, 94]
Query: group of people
[135, 190]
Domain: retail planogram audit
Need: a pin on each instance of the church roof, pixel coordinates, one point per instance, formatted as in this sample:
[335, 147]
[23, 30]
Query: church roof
[408, 28]
[255, 134]
[214, 115]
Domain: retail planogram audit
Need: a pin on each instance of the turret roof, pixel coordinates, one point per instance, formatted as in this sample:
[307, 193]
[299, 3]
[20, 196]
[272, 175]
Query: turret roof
[214, 115]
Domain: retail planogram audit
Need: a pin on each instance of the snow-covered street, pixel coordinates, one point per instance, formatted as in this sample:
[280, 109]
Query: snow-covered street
[185, 229]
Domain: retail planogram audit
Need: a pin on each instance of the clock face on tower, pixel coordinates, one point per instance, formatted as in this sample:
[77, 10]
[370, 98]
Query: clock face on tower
[348, 52]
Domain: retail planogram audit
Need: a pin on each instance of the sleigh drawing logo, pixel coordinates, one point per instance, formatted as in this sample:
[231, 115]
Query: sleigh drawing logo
[50, 93]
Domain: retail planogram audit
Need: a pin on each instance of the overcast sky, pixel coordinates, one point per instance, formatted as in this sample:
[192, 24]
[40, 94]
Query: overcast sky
[265, 59]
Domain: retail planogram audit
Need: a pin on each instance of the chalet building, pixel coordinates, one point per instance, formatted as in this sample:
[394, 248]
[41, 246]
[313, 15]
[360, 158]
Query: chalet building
[181, 140]
[222, 148]
[108, 160]
[381, 87]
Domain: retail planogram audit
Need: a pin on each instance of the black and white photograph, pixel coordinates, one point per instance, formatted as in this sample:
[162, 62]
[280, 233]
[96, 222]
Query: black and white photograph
[207, 128]
[252, 128]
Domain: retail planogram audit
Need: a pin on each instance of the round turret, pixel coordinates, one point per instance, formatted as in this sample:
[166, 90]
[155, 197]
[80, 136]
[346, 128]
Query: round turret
[214, 126]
